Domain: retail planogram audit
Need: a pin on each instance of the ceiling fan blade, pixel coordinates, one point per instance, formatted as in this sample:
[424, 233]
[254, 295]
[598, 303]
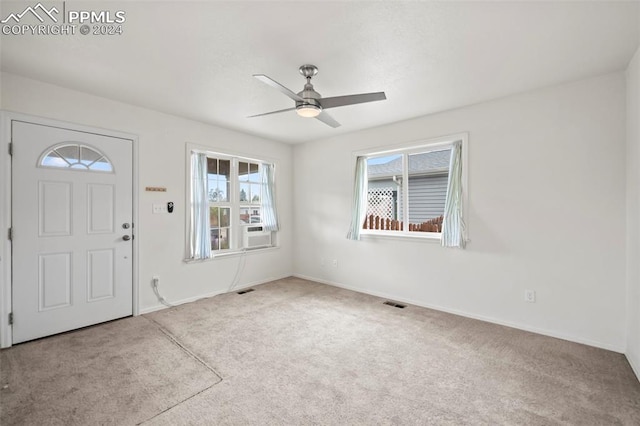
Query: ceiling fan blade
[328, 120]
[266, 80]
[338, 101]
[272, 112]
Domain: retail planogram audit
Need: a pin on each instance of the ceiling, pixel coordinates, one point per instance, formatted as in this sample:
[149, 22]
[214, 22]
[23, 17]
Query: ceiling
[196, 59]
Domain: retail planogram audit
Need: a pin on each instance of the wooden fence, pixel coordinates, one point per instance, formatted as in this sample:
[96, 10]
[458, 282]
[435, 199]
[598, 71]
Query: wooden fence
[379, 223]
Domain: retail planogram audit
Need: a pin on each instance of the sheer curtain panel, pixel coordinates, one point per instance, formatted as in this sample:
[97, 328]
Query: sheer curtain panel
[359, 206]
[200, 240]
[453, 227]
[269, 213]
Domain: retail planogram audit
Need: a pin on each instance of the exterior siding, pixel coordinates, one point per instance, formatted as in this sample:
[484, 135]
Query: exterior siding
[386, 183]
[427, 195]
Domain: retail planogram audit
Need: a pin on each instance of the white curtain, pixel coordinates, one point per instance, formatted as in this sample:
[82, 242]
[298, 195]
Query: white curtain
[269, 214]
[359, 206]
[199, 228]
[453, 228]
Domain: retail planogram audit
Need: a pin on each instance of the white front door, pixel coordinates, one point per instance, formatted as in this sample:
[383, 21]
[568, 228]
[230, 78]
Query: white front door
[72, 230]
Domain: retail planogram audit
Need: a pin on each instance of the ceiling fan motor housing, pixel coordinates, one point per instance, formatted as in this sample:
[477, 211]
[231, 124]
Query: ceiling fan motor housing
[310, 96]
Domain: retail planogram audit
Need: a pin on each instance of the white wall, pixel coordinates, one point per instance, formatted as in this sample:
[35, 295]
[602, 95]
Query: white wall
[546, 207]
[546, 212]
[633, 213]
[162, 145]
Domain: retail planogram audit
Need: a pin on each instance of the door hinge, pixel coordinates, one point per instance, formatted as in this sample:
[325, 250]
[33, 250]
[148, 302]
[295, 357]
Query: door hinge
[10, 148]
[10, 234]
[10, 318]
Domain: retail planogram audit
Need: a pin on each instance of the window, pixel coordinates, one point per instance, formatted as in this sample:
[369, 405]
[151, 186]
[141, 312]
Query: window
[251, 189]
[76, 157]
[218, 188]
[412, 182]
[414, 191]
[238, 203]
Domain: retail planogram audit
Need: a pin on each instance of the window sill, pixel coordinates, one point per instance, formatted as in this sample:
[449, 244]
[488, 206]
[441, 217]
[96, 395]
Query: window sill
[234, 253]
[433, 237]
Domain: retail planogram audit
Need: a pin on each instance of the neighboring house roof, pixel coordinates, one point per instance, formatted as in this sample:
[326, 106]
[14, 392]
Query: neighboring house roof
[428, 162]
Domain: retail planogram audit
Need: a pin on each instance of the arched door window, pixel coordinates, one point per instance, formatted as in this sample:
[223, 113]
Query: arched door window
[77, 157]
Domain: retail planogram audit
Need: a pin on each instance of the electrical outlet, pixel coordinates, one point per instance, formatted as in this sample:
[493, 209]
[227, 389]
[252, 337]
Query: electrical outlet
[530, 296]
[334, 263]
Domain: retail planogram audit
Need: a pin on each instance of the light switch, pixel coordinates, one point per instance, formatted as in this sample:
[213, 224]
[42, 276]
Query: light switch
[159, 208]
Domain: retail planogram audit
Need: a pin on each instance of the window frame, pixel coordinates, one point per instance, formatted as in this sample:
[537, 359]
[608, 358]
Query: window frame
[249, 204]
[409, 148]
[233, 177]
[234, 203]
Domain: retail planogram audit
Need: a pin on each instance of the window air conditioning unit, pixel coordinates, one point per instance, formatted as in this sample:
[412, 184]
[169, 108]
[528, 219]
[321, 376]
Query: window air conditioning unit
[255, 237]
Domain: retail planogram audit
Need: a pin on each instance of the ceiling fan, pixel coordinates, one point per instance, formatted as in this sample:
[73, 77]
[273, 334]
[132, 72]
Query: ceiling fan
[310, 104]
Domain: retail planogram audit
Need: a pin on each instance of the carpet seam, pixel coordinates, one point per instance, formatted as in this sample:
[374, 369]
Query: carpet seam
[178, 403]
[175, 341]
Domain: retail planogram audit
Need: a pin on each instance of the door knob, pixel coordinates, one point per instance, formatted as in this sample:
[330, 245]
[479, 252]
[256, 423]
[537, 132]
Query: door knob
[126, 237]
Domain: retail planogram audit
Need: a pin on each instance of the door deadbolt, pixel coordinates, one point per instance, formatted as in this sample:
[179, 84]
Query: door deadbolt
[126, 225]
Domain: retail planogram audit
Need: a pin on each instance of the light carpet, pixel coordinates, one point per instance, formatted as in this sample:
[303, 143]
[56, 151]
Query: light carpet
[121, 372]
[298, 352]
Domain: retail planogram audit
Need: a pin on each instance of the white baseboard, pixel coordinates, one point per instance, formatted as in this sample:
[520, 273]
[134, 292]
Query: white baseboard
[160, 307]
[518, 326]
[634, 366]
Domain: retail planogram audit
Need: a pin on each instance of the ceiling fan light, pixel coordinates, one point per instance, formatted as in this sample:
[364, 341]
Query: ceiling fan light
[308, 110]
